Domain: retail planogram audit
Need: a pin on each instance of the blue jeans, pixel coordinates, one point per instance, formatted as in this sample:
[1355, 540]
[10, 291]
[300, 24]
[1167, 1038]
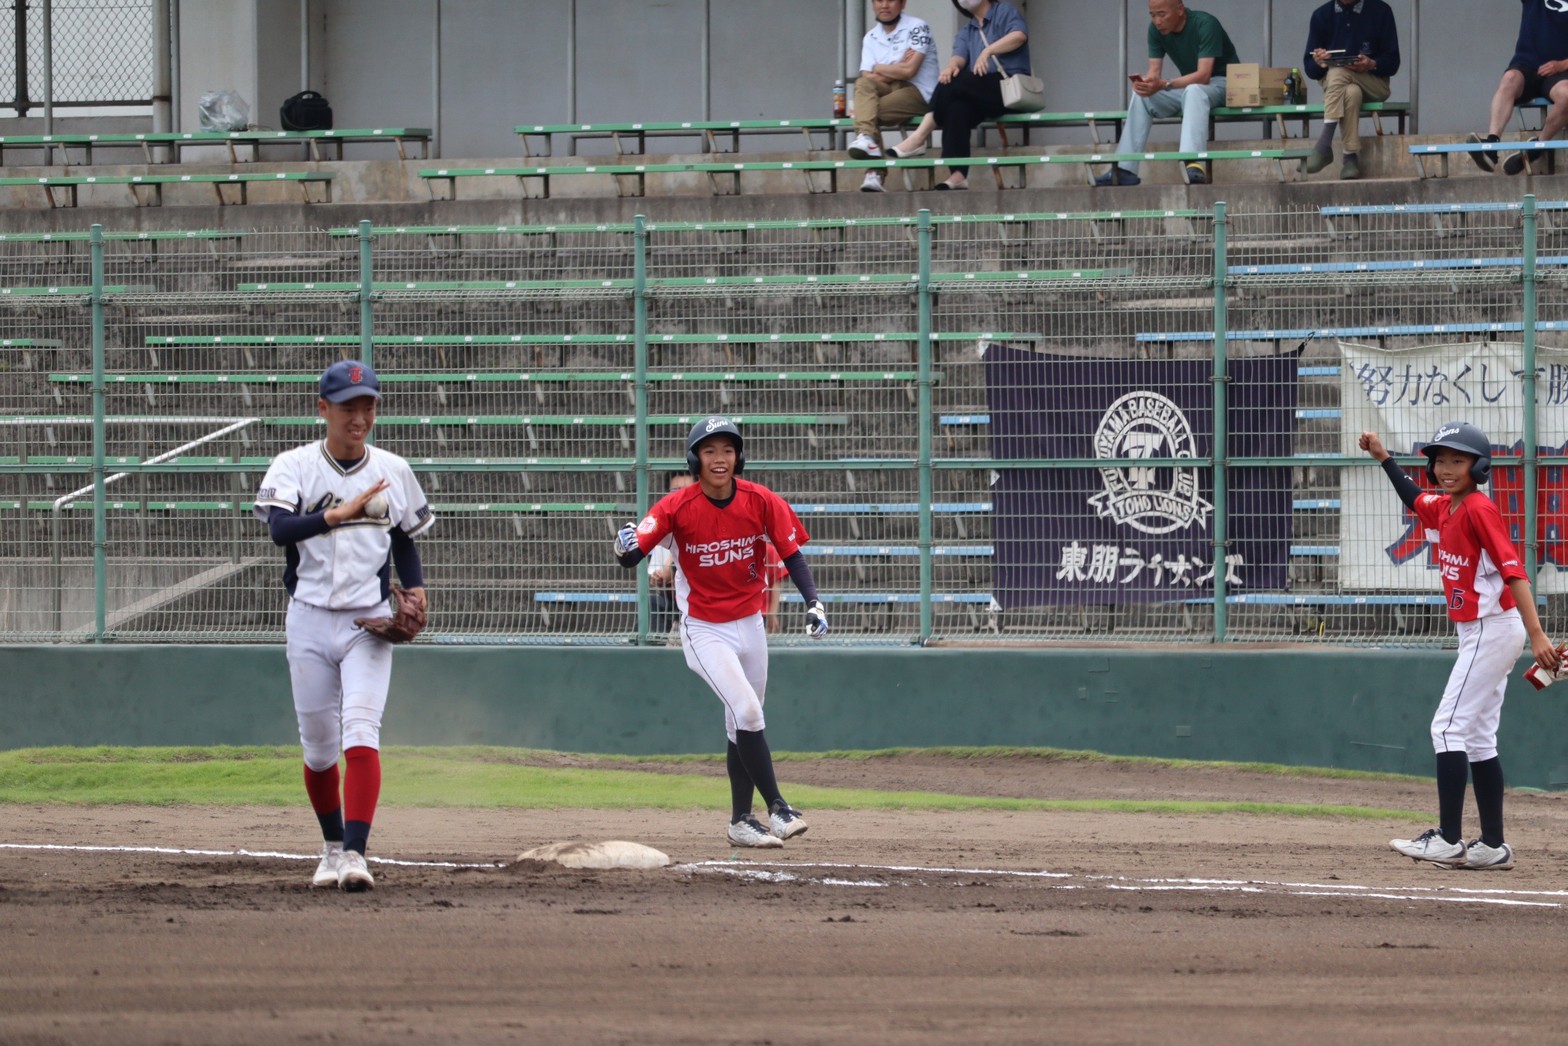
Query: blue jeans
[1192, 102]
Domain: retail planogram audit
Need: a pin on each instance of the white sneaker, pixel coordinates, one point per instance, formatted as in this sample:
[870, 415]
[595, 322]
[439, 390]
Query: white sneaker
[1431, 846]
[903, 150]
[353, 874]
[785, 820]
[747, 832]
[1482, 858]
[873, 183]
[327, 870]
[865, 147]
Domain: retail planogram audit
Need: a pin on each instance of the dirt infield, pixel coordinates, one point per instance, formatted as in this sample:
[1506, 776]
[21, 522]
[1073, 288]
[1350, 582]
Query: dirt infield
[888, 927]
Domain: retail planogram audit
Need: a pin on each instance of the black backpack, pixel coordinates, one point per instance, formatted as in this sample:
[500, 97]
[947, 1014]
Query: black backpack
[306, 111]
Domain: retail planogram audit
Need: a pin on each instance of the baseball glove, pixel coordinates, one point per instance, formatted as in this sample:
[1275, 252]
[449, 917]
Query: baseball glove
[406, 622]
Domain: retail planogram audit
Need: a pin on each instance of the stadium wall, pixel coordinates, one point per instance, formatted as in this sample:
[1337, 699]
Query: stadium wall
[1361, 709]
[473, 70]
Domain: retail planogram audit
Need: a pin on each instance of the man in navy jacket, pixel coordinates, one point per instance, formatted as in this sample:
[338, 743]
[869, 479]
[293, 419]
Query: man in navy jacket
[1353, 50]
[1538, 69]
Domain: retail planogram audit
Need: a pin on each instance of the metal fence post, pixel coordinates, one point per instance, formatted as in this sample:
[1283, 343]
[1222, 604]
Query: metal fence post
[640, 392]
[923, 448]
[100, 526]
[1531, 441]
[1221, 450]
[367, 276]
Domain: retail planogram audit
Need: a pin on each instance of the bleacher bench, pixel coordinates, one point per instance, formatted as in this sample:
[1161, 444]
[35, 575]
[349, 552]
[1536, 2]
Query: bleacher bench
[149, 143]
[631, 138]
[1284, 334]
[147, 189]
[1460, 212]
[820, 176]
[832, 129]
[1441, 153]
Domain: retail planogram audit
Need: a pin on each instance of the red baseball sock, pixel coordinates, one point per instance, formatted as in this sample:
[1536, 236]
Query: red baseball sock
[325, 800]
[361, 789]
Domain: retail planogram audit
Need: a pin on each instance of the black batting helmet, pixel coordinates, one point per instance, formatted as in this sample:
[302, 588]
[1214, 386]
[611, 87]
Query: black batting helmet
[1465, 437]
[714, 426]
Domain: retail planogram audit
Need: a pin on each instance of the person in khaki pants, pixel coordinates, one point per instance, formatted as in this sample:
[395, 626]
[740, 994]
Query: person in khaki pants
[1353, 51]
[897, 75]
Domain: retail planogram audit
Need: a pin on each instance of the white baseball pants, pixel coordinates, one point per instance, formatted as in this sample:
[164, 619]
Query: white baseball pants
[1472, 705]
[733, 658]
[340, 674]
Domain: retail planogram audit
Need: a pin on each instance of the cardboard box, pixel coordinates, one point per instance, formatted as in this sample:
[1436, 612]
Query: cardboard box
[1248, 83]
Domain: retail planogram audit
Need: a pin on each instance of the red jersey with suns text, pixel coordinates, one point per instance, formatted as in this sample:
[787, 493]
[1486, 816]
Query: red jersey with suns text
[722, 553]
[1475, 555]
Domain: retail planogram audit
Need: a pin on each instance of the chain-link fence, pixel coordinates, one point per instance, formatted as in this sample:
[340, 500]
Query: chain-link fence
[996, 428]
[85, 53]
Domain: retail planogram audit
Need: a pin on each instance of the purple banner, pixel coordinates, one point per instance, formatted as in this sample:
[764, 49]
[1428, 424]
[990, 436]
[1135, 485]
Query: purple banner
[1129, 533]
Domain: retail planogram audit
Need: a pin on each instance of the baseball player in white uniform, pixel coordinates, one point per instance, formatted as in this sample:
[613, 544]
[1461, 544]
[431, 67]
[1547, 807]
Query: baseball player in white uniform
[720, 526]
[345, 512]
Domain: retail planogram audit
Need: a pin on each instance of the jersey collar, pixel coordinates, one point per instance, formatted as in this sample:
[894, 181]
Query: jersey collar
[339, 469]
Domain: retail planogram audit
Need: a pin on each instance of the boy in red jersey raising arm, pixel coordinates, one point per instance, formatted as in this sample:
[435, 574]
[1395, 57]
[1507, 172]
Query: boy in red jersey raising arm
[1491, 605]
[719, 525]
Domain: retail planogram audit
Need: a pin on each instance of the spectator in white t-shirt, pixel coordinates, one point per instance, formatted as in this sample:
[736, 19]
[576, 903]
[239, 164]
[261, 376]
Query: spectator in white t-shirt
[898, 72]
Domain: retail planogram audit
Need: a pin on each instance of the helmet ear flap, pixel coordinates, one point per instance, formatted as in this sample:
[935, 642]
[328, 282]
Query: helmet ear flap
[692, 464]
[1481, 470]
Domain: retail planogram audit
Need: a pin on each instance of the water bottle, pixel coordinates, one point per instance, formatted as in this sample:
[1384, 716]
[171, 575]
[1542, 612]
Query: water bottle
[1298, 93]
[1290, 87]
[840, 100]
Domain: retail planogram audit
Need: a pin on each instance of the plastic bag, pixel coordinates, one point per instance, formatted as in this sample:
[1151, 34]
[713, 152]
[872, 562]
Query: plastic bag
[223, 111]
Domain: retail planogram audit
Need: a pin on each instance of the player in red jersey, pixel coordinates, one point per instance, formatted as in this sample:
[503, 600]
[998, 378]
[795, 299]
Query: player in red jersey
[1491, 605]
[721, 525]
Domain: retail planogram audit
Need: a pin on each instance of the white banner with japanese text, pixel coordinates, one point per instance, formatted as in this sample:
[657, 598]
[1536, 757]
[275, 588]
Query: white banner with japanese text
[1404, 396]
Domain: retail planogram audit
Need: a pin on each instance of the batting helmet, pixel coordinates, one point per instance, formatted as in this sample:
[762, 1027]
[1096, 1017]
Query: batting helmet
[1465, 437]
[714, 426]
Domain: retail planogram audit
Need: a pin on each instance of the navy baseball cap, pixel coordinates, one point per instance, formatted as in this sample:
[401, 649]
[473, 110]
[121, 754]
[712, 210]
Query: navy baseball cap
[349, 379]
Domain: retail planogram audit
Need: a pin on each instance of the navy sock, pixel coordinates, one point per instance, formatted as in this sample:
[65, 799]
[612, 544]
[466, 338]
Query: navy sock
[741, 788]
[1486, 777]
[1453, 772]
[332, 826]
[356, 834]
[752, 748]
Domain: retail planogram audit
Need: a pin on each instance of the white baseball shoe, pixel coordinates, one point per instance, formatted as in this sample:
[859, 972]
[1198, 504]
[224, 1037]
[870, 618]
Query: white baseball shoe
[748, 832]
[353, 874]
[1482, 858]
[327, 870]
[785, 820]
[864, 147]
[1431, 846]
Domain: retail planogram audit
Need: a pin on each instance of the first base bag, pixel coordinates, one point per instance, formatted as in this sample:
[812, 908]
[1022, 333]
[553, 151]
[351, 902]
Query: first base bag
[306, 111]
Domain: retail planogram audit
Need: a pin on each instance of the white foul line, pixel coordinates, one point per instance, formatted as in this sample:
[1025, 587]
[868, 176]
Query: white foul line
[791, 871]
[273, 854]
[778, 871]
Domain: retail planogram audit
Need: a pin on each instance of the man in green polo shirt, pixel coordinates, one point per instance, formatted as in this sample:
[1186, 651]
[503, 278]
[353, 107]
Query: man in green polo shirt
[1198, 46]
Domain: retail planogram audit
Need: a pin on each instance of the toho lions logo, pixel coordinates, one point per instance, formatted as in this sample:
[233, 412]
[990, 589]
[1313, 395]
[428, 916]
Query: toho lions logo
[1147, 425]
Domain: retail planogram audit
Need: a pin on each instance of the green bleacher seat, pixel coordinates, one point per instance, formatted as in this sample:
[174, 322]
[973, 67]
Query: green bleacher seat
[149, 142]
[61, 190]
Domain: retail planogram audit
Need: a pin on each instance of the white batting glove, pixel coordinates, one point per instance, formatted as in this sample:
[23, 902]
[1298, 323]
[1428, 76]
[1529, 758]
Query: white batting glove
[816, 620]
[626, 540]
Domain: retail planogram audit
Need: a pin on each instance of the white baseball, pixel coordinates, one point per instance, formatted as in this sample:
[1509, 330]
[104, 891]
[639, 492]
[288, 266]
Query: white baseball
[376, 507]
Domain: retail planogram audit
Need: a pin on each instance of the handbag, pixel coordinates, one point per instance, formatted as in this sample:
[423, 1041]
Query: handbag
[306, 111]
[1021, 93]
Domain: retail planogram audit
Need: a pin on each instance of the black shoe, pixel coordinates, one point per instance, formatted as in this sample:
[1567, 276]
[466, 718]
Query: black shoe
[1117, 176]
[1486, 161]
[1195, 174]
[1515, 163]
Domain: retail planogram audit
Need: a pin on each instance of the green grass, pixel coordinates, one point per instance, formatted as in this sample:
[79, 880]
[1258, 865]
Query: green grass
[511, 778]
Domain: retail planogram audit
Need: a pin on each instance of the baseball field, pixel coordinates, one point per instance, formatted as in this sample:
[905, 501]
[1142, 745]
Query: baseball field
[161, 895]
